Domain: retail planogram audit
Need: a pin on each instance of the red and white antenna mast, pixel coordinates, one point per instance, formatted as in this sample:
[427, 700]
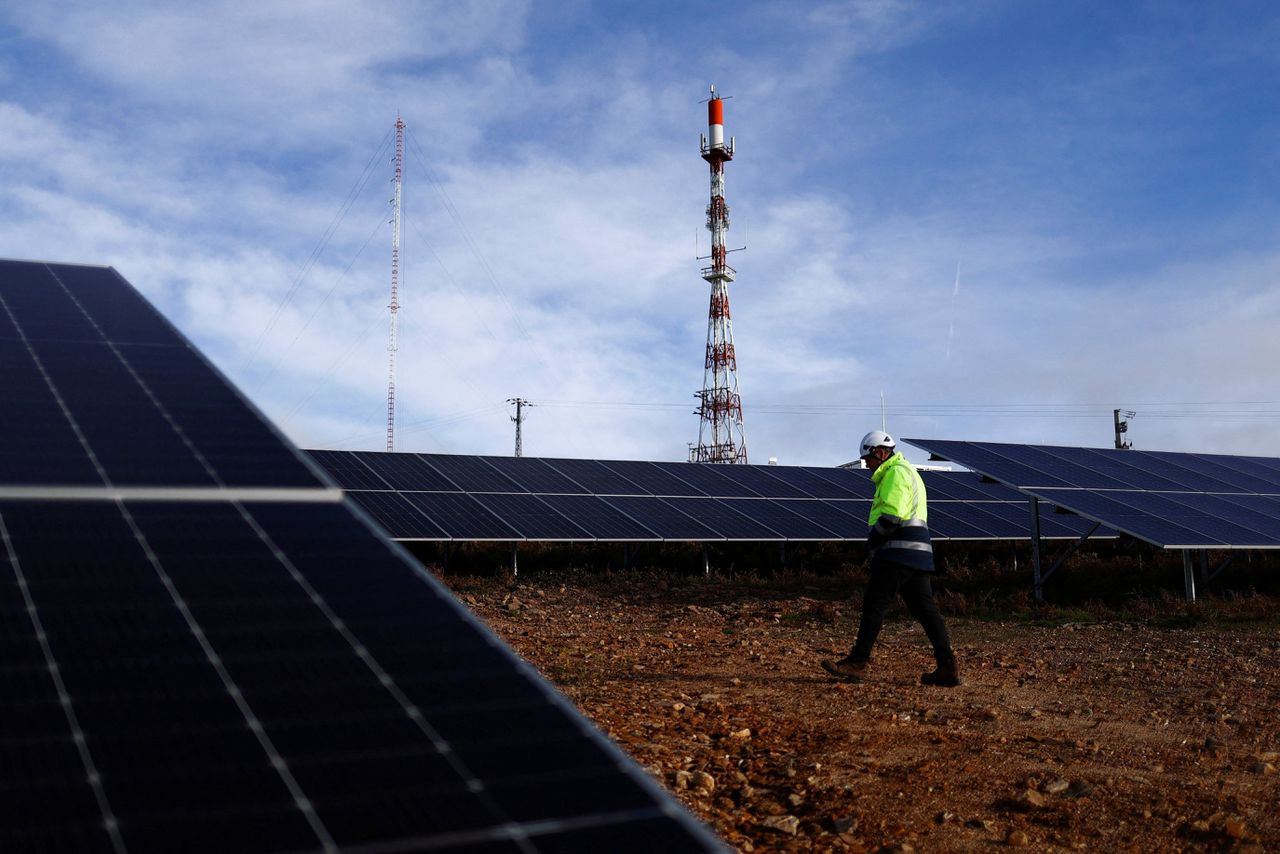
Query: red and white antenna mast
[393, 344]
[721, 436]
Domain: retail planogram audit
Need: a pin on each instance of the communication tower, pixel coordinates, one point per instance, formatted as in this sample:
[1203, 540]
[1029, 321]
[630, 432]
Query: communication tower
[721, 435]
[392, 344]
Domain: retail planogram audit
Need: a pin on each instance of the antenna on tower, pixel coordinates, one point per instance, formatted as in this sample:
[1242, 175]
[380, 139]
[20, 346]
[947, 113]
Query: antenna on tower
[721, 435]
[392, 344]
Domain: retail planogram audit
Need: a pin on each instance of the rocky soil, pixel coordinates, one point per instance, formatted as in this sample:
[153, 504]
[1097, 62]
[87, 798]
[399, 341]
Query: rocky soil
[1100, 736]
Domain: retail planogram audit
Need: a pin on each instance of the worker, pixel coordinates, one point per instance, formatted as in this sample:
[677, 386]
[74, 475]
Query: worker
[901, 563]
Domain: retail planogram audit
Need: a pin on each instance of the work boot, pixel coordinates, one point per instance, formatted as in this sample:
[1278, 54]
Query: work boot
[944, 675]
[845, 668]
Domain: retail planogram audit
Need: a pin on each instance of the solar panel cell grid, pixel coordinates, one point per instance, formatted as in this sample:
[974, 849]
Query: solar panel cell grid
[532, 517]
[534, 475]
[663, 519]
[471, 474]
[348, 471]
[651, 478]
[401, 519]
[403, 471]
[595, 477]
[809, 483]
[776, 517]
[603, 520]
[714, 481]
[724, 520]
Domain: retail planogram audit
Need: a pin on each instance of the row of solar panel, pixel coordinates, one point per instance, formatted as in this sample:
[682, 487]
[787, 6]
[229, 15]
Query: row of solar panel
[78, 342]
[581, 518]
[218, 676]
[1040, 466]
[405, 472]
[1218, 502]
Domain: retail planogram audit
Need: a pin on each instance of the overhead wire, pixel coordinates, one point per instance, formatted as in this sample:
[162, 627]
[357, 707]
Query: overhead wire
[354, 193]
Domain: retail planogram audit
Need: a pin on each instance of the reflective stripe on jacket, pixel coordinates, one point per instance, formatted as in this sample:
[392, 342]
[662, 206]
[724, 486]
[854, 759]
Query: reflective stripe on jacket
[899, 530]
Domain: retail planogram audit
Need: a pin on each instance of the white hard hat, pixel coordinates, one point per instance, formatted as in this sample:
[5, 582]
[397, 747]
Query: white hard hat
[876, 439]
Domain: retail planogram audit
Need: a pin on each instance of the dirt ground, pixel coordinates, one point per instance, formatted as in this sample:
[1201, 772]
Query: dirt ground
[1100, 736]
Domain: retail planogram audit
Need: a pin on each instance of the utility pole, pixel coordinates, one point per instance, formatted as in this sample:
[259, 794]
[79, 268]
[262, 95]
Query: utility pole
[518, 418]
[1122, 427]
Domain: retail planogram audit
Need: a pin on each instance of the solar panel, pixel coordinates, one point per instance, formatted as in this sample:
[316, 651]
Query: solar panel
[349, 470]
[536, 475]
[596, 477]
[785, 521]
[471, 474]
[603, 520]
[461, 517]
[665, 520]
[812, 484]
[173, 435]
[532, 517]
[202, 665]
[402, 519]
[651, 478]
[1173, 500]
[724, 520]
[404, 472]
[717, 481]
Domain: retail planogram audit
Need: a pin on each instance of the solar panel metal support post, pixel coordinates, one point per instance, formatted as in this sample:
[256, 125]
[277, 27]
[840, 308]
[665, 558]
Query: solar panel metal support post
[515, 561]
[1188, 576]
[1037, 579]
[706, 560]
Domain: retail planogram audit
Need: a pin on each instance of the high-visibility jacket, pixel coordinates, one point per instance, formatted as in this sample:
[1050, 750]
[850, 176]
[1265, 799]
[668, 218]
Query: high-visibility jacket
[899, 530]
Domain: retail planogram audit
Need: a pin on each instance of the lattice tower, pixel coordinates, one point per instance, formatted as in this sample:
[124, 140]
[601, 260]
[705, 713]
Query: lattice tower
[392, 344]
[721, 435]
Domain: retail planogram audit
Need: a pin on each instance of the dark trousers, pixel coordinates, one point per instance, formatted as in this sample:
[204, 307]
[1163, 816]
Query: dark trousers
[888, 580]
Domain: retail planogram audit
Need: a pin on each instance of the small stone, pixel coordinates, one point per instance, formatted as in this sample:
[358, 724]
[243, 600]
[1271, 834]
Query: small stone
[1017, 839]
[703, 782]
[679, 707]
[1269, 756]
[1234, 828]
[682, 779]
[742, 733]
[944, 817]
[1266, 769]
[1031, 799]
[990, 714]
[1056, 787]
[1034, 713]
[1200, 825]
[795, 799]
[788, 824]
[980, 823]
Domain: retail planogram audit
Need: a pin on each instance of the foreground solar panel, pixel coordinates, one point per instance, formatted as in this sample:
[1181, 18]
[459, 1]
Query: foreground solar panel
[524, 498]
[1172, 500]
[207, 648]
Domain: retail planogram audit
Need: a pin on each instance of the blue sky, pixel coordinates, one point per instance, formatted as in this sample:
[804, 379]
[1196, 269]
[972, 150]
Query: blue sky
[1105, 177]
